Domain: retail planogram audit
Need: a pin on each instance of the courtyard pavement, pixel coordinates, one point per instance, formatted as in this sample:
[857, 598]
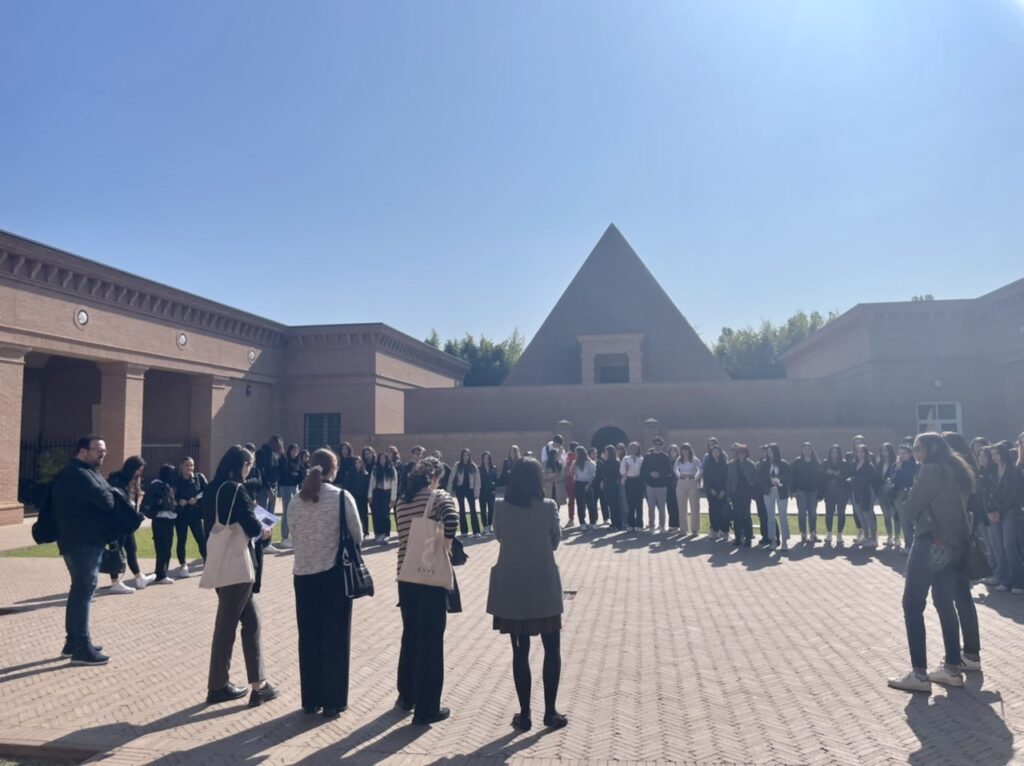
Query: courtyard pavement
[673, 652]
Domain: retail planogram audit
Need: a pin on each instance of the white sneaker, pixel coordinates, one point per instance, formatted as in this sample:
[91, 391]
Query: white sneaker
[968, 664]
[828, 539]
[143, 580]
[164, 581]
[271, 549]
[942, 675]
[120, 587]
[1017, 591]
[286, 544]
[910, 682]
[839, 538]
[476, 534]
[183, 572]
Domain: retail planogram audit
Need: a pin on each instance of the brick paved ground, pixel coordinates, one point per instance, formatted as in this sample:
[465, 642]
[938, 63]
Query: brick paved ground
[687, 653]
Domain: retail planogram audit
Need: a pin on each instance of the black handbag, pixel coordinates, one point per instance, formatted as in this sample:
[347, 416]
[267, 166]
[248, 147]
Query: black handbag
[458, 555]
[453, 598]
[355, 576]
[113, 560]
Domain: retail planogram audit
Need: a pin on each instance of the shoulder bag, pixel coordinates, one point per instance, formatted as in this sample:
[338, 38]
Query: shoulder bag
[227, 550]
[354, 574]
[974, 564]
[426, 558]
[113, 560]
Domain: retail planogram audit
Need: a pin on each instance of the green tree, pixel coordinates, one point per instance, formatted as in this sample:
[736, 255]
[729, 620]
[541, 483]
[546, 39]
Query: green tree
[749, 353]
[925, 297]
[489, 361]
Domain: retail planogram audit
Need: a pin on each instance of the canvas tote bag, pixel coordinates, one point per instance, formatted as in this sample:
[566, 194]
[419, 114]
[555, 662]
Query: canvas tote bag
[227, 550]
[426, 560]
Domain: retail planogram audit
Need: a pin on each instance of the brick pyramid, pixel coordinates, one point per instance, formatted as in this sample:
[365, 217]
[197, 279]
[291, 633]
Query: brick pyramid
[614, 292]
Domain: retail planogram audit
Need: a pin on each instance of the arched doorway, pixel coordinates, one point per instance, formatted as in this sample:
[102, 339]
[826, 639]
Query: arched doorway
[608, 435]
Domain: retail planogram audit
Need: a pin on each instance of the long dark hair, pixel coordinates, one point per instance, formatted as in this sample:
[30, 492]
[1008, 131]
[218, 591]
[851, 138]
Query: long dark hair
[525, 483]
[836, 450]
[887, 455]
[385, 471]
[486, 456]
[688, 449]
[230, 466]
[959, 445]
[937, 450]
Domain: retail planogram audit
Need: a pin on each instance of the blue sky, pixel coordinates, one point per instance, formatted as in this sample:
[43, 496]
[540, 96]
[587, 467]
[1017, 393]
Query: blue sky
[450, 165]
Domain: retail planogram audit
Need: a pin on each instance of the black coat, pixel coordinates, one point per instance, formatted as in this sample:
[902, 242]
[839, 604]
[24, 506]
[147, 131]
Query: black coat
[243, 511]
[807, 476]
[488, 480]
[656, 462]
[765, 478]
[84, 509]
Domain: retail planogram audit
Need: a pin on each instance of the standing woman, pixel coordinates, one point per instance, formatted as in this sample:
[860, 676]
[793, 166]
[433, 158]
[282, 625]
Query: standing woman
[741, 486]
[358, 485]
[597, 486]
[525, 594]
[1005, 504]
[902, 481]
[620, 454]
[488, 484]
[937, 508]
[292, 477]
[424, 607]
[369, 457]
[129, 481]
[775, 485]
[323, 612]
[160, 506]
[714, 472]
[688, 472]
[189, 486]
[629, 470]
[464, 483]
[836, 494]
[862, 480]
[807, 479]
[885, 467]
[227, 499]
[346, 465]
[611, 487]
[584, 471]
[382, 493]
[672, 498]
[514, 456]
[988, 483]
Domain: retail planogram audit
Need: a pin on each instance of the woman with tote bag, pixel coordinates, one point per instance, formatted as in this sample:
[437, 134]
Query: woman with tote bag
[427, 523]
[234, 566]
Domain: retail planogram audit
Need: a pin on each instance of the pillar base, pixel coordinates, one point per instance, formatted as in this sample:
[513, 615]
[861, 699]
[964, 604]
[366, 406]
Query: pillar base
[11, 513]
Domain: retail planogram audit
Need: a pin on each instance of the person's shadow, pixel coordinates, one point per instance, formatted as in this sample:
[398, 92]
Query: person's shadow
[961, 728]
[498, 751]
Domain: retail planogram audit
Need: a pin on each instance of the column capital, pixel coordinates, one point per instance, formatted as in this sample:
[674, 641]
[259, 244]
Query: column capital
[126, 369]
[13, 353]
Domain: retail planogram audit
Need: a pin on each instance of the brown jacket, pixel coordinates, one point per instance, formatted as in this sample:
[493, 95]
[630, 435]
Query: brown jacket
[936, 505]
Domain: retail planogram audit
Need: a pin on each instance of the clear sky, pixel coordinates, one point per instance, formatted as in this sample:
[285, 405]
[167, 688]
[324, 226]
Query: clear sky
[451, 164]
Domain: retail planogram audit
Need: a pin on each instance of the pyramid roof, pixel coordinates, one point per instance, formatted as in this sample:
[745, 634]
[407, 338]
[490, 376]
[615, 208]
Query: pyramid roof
[615, 293]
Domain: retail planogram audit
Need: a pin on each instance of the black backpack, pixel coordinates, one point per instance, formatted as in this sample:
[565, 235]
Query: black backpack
[45, 528]
[153, 500]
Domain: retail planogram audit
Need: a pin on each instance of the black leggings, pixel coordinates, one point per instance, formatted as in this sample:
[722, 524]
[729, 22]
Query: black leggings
[131, 552]
[552, 670]
[189, 518]
[585, 501]
[470, 498]
[487, 507]
[835, 506]
[634, 502]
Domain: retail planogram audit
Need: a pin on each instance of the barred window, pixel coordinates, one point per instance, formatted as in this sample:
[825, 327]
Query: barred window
[322, 428]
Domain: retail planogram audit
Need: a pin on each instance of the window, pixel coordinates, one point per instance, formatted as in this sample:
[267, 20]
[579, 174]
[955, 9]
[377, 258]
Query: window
[322, 428]
[611, 368]
[939, 416]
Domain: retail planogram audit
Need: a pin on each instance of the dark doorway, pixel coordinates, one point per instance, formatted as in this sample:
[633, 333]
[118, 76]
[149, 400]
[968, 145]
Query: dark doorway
[609, 435]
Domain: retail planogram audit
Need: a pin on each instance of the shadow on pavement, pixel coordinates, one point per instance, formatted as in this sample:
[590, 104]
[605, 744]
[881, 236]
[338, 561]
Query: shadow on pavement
[498, 751]
[940, 722]
[345, 750]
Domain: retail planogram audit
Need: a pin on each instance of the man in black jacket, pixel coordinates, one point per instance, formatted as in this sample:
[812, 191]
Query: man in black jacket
[86, 517]
[655, 471]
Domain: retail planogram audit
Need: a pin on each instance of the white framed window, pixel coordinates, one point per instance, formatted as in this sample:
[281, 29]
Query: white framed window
[322, 428]
[939, 416]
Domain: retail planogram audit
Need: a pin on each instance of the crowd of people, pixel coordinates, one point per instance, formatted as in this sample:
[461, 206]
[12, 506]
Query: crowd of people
[936, 492]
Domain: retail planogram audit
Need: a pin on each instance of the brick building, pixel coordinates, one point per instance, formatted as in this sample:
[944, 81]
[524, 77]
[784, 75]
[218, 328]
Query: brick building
[161, 372]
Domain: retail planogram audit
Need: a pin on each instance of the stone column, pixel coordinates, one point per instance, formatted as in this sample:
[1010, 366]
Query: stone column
[12, 381]
[588, 377]
[121, 388]
[209, 392]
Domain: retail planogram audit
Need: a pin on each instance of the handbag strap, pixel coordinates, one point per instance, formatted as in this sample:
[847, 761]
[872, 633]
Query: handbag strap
[430, 504]
[216, 504]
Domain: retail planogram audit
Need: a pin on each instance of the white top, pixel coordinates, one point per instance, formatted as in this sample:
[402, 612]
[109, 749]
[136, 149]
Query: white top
[586, 472]
[315, 529]
[687, 469]
[630, 466]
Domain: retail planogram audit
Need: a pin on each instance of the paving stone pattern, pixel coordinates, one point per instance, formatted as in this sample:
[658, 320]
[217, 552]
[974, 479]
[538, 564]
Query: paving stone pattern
[673, 652]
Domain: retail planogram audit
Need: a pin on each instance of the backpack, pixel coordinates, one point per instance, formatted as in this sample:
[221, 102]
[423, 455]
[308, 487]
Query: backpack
[44, 530]
[127, 518]
[153, 500]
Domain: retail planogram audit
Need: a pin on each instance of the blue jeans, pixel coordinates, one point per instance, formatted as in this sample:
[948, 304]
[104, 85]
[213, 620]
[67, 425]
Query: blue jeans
[943, 584]
[807, 511]
[83, 565]
[287, 493]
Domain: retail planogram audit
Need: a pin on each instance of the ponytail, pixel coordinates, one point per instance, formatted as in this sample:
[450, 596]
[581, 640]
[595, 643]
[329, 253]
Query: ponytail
[322, 461]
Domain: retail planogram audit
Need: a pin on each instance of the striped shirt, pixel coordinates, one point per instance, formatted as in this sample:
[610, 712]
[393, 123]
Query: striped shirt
[444, 509]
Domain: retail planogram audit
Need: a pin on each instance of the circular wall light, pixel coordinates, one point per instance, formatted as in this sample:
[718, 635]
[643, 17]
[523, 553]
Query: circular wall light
[81, 317]
[252, 355]
[938, 383]
[182, 340]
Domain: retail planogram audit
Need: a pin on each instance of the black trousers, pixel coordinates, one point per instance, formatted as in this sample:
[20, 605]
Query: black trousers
[742, 525]
[673, 503]
[324, 617]
[363, 508]
[762, 516]
[421, 660]
[190, 517]
[131, 552]
[163, 539]
[467, 498]
[634, 502]
[487, 508]
[718, 512]
[585, 501]
[382, 512]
